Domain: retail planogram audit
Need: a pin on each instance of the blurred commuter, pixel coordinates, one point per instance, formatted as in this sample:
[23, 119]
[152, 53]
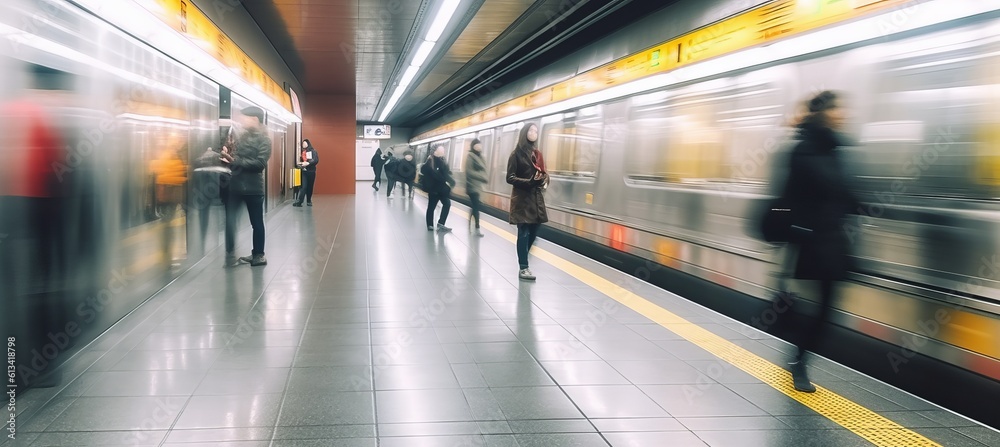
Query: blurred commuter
[378, 161]
[817, 191]
[475, 178]
[246, 186]
[406, 171]
[390, 168]
[35, 196]
[211, 177]
[308, 159]
[437, 181]
[526, 172]
[170, 176]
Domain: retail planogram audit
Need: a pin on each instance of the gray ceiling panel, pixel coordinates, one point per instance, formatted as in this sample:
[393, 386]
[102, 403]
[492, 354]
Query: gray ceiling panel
[364, 46]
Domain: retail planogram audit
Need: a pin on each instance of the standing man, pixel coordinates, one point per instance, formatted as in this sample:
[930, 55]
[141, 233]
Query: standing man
[247, 161]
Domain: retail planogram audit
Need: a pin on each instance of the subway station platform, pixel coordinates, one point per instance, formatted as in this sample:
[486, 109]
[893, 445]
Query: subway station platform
[365, 329]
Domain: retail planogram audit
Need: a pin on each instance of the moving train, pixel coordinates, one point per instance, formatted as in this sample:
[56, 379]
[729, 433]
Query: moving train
[672, 174]
[123, 125]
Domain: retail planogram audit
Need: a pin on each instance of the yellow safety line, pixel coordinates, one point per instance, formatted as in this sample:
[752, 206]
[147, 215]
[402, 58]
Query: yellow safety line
[865, 423]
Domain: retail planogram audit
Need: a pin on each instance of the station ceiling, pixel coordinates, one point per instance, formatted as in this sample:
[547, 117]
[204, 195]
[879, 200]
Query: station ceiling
[354, 47]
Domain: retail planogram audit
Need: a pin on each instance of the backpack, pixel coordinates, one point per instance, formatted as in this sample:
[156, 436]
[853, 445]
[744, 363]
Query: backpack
[425, 175]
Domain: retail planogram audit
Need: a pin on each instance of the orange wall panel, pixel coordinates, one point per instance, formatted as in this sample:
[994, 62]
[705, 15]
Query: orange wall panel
[328, 121]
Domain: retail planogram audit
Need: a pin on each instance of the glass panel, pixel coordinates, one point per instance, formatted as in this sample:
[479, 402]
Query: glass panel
[508, 139]
[571, 142]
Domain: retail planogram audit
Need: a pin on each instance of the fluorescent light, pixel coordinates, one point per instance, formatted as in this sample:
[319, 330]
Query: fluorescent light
[441, 19]
[926, 14]
[392, 103]
[407, 77]
[132, 18]
[421, 55]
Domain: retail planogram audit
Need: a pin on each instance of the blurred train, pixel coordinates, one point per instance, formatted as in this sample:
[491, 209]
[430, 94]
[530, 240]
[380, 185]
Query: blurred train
[100, 202]
[672, 174]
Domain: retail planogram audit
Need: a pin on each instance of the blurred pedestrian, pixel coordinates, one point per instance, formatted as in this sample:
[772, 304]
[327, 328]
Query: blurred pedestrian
[407, 172]
[247, 160]
[36, 192]
[475, 178]
[818, 194]
[526, 172]
[378, 161]
[390, 168]
[308, 160]
[437, 182]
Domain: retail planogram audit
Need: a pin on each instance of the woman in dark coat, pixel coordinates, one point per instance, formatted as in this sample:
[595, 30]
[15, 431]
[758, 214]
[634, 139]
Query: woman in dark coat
[308, 159]
[817, 190]
[526, 172]
[437, 181]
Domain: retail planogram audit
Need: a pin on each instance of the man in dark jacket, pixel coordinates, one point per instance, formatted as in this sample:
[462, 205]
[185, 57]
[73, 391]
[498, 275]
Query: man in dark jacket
[378, 161]
[406, 171]
[437, 182]
[248, 162]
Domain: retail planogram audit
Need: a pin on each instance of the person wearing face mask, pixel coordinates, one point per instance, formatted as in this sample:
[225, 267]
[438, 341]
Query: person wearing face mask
[437, 181]
[407, 172]
[526, 173]
[475, 178]
[308, 159]
[818, 194]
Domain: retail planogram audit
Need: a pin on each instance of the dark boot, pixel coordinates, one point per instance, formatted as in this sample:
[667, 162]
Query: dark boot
[800, 377]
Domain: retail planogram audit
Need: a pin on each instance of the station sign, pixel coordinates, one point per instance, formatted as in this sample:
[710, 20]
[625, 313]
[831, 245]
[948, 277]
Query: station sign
[379, 132]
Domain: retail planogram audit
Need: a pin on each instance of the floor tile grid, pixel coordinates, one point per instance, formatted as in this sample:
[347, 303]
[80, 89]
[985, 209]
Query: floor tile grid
[513, 281]
[726, 386]
[208, 274]
[77, 363]
[714, 382]
[339, 232]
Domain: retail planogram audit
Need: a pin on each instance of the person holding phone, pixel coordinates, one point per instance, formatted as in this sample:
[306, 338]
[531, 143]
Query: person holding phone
[308, 159]
[527, 175]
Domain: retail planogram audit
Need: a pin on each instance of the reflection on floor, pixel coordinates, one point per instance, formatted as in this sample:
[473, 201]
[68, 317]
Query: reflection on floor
[366, 329]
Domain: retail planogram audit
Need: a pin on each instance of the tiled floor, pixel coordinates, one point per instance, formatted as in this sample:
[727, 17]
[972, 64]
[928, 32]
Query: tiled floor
[365, 329]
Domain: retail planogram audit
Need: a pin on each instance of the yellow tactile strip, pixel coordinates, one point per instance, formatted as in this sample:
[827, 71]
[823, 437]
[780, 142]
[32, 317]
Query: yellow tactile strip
[865, 423]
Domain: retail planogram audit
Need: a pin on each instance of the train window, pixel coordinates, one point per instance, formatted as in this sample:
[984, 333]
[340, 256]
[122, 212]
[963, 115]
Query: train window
[420, 152]
[676, 137]
[460, 147]
[486, 139]
[757, 124]
[508, 139]
[934, 118]
[571, 142]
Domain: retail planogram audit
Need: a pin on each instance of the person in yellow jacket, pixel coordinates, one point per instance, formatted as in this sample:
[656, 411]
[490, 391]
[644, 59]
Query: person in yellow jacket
[170, 177]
